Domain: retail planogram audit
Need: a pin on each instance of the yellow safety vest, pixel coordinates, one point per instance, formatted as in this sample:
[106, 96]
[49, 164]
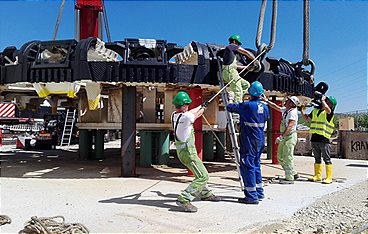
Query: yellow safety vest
[320, 125]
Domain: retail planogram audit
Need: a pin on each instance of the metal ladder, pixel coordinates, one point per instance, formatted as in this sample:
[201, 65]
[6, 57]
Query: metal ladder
[230, 121]
[68, 127]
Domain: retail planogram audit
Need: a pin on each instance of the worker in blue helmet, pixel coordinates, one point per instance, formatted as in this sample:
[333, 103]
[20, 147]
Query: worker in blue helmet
[238, 85]
[253, 116]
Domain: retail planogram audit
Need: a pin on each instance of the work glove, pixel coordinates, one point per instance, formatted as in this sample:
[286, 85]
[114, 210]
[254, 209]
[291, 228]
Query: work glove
[255, 66]
[278, 139]
[301, 107]
[204, 105]
[264, 98]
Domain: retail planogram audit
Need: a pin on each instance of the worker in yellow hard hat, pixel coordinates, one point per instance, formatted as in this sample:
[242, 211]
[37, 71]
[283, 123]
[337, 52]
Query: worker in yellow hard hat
[230, 68]
[321, 128]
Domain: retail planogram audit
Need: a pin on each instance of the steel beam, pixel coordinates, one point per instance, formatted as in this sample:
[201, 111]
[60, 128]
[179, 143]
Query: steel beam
[128, 165]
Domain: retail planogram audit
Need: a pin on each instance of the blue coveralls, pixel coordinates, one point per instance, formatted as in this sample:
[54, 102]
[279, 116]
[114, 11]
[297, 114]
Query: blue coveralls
[253, 115]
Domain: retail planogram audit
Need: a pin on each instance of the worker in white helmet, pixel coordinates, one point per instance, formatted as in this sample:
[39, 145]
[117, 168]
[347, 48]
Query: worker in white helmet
[288, 137]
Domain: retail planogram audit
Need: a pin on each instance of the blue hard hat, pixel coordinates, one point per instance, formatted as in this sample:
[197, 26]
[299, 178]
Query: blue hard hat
[256, 89]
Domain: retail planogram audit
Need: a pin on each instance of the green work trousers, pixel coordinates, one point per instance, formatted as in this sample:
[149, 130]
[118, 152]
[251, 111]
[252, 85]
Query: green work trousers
[239, 86]
[285, 155]
[187, 154]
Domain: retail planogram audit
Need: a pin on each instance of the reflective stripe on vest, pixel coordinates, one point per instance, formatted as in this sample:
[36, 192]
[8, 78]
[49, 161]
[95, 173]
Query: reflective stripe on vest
[320, 125]
[257, 125]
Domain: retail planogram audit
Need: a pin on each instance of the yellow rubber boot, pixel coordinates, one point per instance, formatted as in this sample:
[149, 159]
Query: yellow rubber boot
[328, 179]
[317, 173]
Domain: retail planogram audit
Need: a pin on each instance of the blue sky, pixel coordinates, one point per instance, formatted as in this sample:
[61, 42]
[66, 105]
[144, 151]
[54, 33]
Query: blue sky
[338, 37]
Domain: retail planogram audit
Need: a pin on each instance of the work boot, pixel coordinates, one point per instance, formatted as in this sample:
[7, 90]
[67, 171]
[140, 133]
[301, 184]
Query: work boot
[212, 198]
[261, 197]
[317, 173]
[328, 179]
[285, 181]
[187, 206]
[246, 200]
[296, 176]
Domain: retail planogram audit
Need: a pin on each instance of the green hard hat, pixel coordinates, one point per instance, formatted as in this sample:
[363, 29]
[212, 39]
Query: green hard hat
[181, 98]
[236, 38]
[333, 101]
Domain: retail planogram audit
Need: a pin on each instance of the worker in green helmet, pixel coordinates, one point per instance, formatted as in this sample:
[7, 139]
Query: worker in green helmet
[321, 128]
[230, 68]
[182, 121]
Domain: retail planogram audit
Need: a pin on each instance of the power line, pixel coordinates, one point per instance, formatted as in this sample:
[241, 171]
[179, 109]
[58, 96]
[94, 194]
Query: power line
[340, 78]
[353, 92]
[350, 84]
[341, 68]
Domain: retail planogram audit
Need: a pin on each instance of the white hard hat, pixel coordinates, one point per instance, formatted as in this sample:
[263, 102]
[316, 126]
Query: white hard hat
[294, 100]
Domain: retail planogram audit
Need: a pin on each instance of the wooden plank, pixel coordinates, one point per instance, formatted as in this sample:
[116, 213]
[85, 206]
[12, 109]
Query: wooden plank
[149, 105]
[211, 113]
[114, 106]
[169, 108]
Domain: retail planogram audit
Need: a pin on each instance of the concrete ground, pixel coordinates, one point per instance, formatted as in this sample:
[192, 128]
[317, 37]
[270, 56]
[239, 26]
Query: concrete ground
[54, 182]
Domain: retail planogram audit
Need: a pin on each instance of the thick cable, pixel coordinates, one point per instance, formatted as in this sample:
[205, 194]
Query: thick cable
[306, 59]
[106, 23]
[58, 20]
[261, 22]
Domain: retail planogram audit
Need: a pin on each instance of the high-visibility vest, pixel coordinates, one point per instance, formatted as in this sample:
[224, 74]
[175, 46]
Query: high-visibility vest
[320, 125]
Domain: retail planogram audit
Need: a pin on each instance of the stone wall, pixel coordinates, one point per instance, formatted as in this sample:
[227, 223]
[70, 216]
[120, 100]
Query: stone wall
[354, 144]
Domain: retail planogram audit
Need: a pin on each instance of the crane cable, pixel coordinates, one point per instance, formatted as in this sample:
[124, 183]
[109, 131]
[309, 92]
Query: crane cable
[260, 46]
[306, 60]
[262, 49]
[58, 20]
[104, 12]
[213, 132]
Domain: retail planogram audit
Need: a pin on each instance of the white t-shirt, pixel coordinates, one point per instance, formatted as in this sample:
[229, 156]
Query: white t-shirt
[185, 125]
[292, 114]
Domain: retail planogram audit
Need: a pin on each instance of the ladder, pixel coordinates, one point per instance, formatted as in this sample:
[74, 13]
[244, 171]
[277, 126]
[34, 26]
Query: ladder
[68, 127]
[230, 121]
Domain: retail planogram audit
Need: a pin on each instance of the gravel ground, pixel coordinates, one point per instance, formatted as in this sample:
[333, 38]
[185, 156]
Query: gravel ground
[345, 211]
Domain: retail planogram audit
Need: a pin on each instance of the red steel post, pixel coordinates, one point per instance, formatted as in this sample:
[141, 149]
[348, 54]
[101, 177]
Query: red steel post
[276, 121]
[196, 95]
[89, 10]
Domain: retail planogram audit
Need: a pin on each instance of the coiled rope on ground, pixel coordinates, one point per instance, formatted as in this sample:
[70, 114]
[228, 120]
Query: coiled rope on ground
[52, 225]
[4, 220]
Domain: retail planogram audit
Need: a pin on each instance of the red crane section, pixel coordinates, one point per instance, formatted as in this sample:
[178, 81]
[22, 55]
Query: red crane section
[88, 18]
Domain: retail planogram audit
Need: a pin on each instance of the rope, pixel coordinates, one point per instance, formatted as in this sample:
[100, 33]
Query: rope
[273, 25]
[4, 220]
[306, 60]
[106, 22]
[50, 225]
[213, 132]
[58, 20]
[234, 79]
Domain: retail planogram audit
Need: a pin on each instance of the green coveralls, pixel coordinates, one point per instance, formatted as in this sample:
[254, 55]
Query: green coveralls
[187, 154]
[285, 152]
[239, 86]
